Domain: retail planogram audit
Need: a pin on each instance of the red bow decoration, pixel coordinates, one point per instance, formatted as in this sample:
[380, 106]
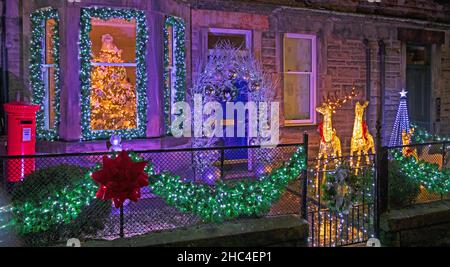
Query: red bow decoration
[409, 152]
[120, 179]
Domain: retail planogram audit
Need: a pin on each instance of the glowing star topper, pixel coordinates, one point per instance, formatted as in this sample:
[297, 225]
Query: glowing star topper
[403, 93]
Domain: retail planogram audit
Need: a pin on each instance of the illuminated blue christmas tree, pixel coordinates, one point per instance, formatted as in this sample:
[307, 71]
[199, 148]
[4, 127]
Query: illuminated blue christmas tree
[401, 121]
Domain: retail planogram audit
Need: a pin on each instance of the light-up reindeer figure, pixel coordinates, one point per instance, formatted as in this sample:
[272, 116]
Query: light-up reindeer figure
[330, 144]
[362, 140]
[406, 140]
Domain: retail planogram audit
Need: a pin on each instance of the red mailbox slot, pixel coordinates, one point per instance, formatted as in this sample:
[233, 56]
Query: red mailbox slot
[21, 139]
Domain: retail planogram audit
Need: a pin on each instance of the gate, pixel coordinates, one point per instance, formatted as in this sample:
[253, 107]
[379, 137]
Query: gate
[341, 213]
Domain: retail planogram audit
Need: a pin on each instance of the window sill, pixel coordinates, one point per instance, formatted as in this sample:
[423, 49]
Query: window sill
[300, 124]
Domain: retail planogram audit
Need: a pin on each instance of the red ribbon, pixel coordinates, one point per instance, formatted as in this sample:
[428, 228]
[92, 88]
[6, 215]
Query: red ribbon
[320, 129]
[364, 129]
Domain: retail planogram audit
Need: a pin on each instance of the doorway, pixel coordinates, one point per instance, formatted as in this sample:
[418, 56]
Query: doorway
[418, 84]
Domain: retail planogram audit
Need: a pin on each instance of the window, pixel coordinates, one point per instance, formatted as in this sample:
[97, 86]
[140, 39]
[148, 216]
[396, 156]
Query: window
[172, 66]
[48, 73]
[113, 97]
[299, 79]
[238, 38]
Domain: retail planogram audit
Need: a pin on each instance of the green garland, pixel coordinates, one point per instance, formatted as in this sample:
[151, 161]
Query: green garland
[38, 20]
[85, 73]
[421, 136]
[41, 213]
[424, 173]
[228, 201]
[178, 26]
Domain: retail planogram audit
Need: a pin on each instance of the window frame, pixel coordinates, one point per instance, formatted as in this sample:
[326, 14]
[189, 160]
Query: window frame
[174, 71]
[225, 31]
[40, 72]
[312, 74]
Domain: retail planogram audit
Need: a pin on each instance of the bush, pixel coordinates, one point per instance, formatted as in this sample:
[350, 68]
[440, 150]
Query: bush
[402, 190]
[58, 203]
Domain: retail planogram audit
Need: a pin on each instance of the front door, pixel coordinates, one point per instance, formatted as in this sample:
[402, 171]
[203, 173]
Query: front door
[418, 82]
[234, 141]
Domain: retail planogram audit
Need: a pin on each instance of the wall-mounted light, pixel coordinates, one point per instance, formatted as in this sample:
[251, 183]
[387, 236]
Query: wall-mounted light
[116, 143]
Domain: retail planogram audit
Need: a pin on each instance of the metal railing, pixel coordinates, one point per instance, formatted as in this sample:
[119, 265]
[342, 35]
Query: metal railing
[355, 224]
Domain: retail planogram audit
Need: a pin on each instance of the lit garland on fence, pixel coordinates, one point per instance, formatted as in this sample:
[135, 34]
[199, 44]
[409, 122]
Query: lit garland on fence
[179, 57]
[425, 173]
[422, 136]
[220, 203]
[223, 201]
[60, 207]
[38, 20]
[85, 74]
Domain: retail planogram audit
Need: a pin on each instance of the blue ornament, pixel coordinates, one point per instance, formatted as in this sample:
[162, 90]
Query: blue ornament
[241, 84]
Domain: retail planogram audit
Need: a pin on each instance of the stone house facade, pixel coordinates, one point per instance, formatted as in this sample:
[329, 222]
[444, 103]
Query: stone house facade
[356, 43]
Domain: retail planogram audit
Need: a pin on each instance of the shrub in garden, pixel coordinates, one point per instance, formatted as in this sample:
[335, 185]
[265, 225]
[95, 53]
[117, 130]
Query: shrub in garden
[402, 190]
[57, 203]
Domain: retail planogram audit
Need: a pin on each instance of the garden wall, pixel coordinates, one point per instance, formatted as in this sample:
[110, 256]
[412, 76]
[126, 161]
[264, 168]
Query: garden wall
[418, 226]
[277, 232]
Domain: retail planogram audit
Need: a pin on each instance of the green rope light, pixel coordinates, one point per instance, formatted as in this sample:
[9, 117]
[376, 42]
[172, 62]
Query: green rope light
[424, 173]
[38, 20]
[226, 201]
[85, 73]
[179, 28]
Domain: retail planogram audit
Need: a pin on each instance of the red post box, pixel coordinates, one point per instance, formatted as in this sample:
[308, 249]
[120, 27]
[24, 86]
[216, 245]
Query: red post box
[21, 139]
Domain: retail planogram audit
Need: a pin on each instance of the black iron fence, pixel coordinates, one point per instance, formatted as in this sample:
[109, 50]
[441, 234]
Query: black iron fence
[39, 177]
[341, 200]
[420, 177]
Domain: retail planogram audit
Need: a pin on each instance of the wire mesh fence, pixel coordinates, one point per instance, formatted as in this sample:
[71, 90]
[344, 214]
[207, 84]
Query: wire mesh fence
[47, 179]
[417, 174]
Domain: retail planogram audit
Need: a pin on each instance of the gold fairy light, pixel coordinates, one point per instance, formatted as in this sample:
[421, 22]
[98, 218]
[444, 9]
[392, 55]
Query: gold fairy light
[330, 144]
[406, 140]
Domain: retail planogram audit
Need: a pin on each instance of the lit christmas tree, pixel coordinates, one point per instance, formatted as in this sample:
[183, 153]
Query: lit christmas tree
[113, 97]
[401, 121]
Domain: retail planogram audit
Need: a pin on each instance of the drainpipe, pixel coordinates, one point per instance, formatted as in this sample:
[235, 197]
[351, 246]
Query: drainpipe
[381, 184]
[381, 107]
[4, 71]
[368, 76]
